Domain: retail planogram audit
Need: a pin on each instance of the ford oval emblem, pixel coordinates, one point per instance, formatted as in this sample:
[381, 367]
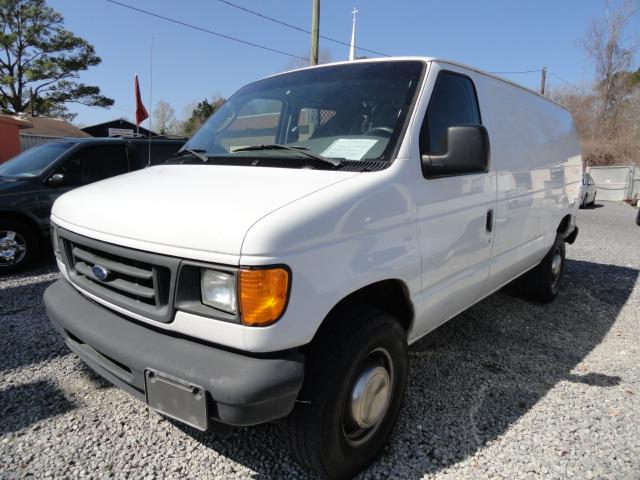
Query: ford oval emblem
[100, 272]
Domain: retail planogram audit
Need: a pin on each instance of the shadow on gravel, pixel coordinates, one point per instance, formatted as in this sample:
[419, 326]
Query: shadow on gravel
[29, 403]
[26, 335]
[473, 377]
[479, 373]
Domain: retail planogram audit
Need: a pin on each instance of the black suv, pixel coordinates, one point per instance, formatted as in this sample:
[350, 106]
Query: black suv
[31, 181]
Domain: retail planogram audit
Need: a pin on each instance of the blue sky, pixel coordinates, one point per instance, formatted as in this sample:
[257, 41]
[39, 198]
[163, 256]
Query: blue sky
[494, 35]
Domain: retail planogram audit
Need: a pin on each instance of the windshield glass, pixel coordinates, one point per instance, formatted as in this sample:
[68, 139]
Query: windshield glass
[34, 161]
[350, 111]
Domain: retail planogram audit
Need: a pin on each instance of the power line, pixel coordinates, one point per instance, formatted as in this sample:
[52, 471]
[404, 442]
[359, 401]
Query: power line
[274, 50]
[201, 29]
[522, 71]
[563, 80]
[294, 27]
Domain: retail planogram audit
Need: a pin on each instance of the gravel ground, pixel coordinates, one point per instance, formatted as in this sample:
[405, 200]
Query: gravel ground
[506, 390]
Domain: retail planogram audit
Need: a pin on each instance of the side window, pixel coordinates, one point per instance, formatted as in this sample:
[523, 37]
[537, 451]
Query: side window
[453, 102]
[95, 163]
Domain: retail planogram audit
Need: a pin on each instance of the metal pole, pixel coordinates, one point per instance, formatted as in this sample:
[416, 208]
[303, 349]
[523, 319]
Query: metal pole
[150, 98]
[352, 48]
[543, 80]
[315, 31]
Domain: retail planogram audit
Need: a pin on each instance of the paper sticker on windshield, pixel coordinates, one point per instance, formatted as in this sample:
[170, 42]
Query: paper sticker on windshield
[349, 148]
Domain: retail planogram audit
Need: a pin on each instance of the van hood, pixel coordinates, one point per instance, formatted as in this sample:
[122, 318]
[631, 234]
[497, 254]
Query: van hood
[206, 208]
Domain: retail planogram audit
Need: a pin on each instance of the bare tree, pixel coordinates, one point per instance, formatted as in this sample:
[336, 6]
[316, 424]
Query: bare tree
[607, 114]
[612, 59]
[164, 118]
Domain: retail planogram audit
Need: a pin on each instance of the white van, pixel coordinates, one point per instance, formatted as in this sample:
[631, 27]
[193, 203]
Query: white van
[319, 223]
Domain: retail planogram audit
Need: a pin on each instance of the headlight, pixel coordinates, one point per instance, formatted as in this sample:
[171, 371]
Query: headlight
[218, 290]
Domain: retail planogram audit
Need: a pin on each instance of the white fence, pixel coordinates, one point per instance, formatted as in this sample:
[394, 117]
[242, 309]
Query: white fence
[616, 183]
[635, 183]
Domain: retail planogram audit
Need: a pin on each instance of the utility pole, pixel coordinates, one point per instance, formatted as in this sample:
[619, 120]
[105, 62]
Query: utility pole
[32, 101]
[315, 31]
[543, 80]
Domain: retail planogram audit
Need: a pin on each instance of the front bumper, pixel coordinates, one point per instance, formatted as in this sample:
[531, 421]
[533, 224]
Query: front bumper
[241, 390]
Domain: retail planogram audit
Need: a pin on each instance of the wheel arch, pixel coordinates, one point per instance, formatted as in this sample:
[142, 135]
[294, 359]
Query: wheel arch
[23, 218]
[564, 224]
[391, 295]
[567, 228]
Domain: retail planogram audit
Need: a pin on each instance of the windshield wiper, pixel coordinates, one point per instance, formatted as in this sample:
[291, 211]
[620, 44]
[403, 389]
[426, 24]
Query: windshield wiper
[198, 153]
[292, 148]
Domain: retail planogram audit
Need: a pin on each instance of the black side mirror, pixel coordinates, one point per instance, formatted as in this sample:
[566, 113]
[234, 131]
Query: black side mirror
[56, 180]
[467, 151]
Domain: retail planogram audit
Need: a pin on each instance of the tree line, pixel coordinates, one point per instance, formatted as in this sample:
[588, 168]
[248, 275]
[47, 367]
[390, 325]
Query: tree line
[165, 122]
[607, 112]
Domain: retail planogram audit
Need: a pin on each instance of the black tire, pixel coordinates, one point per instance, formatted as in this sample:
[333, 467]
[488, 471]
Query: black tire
[542, 283]
[15, 233]
[321, 431]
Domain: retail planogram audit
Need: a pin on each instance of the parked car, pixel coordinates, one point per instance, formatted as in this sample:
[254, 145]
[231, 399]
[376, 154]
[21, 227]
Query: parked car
[587, 191]
[31, 181]
[320, 222]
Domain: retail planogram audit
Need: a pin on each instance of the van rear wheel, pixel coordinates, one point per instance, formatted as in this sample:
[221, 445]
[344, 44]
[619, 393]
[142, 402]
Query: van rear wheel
[542, 283]
[354, 385]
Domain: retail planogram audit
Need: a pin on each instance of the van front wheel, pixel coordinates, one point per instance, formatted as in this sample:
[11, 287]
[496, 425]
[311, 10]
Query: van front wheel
[353, 390]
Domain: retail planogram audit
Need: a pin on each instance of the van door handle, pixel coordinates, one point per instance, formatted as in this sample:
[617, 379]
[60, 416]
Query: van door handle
[489, 224]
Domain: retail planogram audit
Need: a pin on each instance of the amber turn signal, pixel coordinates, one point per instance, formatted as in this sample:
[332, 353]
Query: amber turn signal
[263, 295]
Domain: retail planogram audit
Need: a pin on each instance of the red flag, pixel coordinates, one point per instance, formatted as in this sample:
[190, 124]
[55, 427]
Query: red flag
[141, 112]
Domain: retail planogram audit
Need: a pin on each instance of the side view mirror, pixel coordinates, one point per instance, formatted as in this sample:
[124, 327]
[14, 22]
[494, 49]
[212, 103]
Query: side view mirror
[467, 151]
[56, 180]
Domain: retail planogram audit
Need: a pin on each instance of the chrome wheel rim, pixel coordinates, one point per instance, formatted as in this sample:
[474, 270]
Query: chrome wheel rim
[368, 398]
[13, 248]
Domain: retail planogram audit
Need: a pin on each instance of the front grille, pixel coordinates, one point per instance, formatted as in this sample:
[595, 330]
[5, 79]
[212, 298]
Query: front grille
[140, 282]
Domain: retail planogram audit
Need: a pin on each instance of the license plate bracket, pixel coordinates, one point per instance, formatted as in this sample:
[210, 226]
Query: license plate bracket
[177, 399]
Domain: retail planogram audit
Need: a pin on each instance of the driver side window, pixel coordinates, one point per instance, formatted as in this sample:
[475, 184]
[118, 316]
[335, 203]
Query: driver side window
[94, 163]
[453, 102]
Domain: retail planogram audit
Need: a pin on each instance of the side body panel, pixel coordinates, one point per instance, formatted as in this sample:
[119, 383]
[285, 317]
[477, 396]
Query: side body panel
[20, 197]
[536, 157]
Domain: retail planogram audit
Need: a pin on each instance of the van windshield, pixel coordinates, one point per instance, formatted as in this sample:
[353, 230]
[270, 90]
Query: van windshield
[352, 112]
[34, 161]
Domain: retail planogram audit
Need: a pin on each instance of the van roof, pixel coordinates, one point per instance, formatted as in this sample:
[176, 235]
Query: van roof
[426, 59]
